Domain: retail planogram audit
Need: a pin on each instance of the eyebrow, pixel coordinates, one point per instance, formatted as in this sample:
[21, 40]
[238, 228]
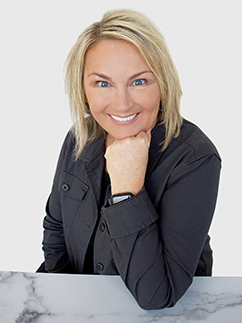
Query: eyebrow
[109, 78]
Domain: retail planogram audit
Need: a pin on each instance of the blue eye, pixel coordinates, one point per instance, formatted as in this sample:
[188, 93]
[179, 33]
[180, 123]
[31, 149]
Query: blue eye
[139, 82]
[103, 84]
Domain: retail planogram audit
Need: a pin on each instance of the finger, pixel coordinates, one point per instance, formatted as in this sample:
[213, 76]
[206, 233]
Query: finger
[148, 133]
[141, 134]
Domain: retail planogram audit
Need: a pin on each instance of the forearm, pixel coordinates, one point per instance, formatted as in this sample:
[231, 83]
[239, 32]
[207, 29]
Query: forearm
[140, 262]
[139, 254]
[54, 247]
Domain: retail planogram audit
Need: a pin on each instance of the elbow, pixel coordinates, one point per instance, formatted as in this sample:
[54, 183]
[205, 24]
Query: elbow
[156, 302]
[155, 305]
[160, 300]
[162, 297]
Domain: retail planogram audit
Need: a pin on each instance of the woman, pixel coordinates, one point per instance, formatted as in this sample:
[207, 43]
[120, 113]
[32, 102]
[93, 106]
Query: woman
[136, 185]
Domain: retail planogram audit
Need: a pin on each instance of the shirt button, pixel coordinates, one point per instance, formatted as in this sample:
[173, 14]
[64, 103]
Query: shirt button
[100, 266]
[102, 227]
[65, 187]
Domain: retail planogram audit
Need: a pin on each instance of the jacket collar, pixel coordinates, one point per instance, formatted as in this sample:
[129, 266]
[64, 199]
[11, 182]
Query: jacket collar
[157, 138]
[93, 151]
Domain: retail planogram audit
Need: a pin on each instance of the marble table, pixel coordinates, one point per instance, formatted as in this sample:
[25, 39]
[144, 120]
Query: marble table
[53, 298]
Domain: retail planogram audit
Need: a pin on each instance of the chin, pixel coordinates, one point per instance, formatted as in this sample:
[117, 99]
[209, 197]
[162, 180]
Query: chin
[125, 133]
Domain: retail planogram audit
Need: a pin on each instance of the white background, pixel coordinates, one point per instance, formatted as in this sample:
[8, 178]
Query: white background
[204, 38]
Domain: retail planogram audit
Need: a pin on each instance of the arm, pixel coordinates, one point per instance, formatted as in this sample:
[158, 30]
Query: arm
[156, 249]
[54, 247]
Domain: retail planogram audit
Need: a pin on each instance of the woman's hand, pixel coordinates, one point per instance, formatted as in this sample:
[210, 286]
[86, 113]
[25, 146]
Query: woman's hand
[126, 162]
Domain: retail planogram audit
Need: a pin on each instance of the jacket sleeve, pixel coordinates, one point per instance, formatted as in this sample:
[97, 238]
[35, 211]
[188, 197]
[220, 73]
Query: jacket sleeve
[156, 248]
[54, 247]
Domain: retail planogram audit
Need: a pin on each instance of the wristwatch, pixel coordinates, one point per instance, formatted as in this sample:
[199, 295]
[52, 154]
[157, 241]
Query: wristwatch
[116, 198]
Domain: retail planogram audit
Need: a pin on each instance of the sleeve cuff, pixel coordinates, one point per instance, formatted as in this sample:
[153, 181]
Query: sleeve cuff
[130, 216]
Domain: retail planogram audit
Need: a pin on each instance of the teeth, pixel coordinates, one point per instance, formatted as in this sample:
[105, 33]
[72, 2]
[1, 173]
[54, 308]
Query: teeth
[124, 119]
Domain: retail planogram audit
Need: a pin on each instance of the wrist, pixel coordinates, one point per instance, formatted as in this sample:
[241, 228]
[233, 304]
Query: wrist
[119, 189]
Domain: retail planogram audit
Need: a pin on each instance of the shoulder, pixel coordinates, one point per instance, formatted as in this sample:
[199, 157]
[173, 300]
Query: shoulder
[191, 153]
[69, 140]
[186, 152]
[68, 146]
[194, 140]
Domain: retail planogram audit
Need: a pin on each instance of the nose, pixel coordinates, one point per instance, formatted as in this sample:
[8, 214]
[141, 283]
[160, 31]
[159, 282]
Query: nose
[122, 101]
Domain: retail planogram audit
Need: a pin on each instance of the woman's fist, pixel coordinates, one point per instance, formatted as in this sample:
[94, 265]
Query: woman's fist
[126, 163]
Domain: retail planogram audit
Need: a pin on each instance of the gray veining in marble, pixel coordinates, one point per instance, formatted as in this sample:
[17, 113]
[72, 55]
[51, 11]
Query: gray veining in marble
[50, 298]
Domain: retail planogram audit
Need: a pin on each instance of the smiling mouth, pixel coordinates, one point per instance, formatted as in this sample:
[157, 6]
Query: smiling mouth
[124, 119]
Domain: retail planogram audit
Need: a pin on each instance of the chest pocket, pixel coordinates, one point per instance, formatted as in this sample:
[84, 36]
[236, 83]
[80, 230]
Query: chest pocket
[72, 192]
[71, 186]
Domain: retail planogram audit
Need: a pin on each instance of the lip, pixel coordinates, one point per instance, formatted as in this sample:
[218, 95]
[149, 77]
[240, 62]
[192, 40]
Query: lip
[124, 123]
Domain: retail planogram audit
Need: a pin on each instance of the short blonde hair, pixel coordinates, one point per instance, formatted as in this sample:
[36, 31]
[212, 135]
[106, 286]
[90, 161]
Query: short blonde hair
[136, 28]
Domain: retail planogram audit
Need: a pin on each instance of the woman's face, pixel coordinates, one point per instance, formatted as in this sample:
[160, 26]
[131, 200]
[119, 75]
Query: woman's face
[122, 92]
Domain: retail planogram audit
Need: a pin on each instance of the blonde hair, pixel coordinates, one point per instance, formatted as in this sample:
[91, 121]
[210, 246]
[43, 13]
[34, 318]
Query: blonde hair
[137, 29]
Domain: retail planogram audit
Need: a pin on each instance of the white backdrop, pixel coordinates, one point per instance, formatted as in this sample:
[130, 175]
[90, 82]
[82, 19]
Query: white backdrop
[204, 38]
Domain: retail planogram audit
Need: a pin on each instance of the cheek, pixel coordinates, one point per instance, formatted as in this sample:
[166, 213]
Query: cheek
[97, 102]
[94, 104]
[151, 106]
[150, 103]
[149, 98]
[97, 109]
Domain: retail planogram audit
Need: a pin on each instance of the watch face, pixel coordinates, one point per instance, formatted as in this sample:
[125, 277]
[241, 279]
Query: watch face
[121, 197]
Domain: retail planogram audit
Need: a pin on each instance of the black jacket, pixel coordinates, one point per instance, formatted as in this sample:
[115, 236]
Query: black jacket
[157, 240]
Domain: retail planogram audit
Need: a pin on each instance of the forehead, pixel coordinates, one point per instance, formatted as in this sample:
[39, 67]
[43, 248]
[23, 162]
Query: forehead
[113, 54]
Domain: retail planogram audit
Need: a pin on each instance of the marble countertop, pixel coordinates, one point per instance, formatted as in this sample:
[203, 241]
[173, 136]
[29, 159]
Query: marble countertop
[53, 298]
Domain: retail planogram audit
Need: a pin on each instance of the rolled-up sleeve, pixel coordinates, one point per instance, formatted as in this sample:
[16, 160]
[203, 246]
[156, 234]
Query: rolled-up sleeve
[131, 216]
